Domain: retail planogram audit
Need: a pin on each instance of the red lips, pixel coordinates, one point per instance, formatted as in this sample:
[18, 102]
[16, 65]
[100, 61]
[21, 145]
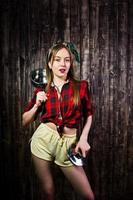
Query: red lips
[62, 70]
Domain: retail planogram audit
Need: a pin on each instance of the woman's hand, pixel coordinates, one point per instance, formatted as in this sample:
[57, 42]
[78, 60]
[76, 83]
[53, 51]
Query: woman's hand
[82, 147]
[41, 97]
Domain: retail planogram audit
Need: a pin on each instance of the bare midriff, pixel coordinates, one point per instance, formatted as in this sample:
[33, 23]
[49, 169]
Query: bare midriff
[66, 130]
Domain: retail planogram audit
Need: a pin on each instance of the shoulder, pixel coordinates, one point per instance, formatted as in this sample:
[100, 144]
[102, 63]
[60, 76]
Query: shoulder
[83, 84]
[85, 88]
[79, 82]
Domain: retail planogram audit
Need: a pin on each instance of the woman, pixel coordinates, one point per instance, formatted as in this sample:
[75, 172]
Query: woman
[62, 104]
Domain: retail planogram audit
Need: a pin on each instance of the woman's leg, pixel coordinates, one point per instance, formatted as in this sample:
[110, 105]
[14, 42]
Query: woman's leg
[45, 176]
[79, 181]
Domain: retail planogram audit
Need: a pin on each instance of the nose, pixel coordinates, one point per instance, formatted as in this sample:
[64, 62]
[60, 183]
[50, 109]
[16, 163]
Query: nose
[62, 62]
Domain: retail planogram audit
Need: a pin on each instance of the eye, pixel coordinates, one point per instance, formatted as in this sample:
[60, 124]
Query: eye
[67, 60]
[57, 59]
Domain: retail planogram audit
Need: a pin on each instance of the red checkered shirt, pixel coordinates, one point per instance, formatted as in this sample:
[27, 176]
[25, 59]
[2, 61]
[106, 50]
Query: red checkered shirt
[63, 112]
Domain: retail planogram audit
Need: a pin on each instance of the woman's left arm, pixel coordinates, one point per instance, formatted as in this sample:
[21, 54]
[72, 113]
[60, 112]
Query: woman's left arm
[83, 145]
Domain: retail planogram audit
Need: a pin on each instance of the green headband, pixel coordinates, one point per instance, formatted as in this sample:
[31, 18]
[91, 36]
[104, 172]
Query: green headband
[73, 49]
[70, 46]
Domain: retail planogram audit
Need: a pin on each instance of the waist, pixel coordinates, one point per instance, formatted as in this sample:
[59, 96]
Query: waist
[66, 130]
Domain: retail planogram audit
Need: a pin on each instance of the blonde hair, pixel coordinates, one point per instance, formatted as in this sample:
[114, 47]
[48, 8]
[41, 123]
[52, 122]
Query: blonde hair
[50, 58]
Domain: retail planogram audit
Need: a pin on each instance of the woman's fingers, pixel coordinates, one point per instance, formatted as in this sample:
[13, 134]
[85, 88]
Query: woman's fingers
[41, 96]
[83, 149]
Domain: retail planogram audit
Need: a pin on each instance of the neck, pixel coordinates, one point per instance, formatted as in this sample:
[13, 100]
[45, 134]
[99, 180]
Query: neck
[58, 81]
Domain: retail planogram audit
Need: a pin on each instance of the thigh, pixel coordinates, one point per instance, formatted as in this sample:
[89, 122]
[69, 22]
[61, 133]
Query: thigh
[79, 181]
[43, 170]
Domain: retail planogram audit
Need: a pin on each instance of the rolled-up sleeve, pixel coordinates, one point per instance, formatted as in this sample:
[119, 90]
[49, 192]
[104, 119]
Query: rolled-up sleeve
[32, 101]
[87, 100]
[30, 104]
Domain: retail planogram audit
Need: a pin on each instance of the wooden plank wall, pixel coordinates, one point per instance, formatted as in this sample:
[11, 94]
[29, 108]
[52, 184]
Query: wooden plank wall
[103, 33]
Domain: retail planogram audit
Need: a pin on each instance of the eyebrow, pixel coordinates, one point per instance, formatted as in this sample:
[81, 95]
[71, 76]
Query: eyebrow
[60, 57]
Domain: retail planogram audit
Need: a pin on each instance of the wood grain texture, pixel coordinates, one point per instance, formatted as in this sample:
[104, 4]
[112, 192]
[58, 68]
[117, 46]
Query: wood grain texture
[102, 30]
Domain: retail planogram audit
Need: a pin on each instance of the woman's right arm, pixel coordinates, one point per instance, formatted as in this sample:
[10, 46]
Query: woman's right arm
[29, 115]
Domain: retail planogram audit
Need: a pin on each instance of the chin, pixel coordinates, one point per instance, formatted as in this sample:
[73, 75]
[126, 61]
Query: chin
[63, 75]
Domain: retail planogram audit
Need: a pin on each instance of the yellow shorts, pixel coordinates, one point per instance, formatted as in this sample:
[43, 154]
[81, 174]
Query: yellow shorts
[47, 144]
